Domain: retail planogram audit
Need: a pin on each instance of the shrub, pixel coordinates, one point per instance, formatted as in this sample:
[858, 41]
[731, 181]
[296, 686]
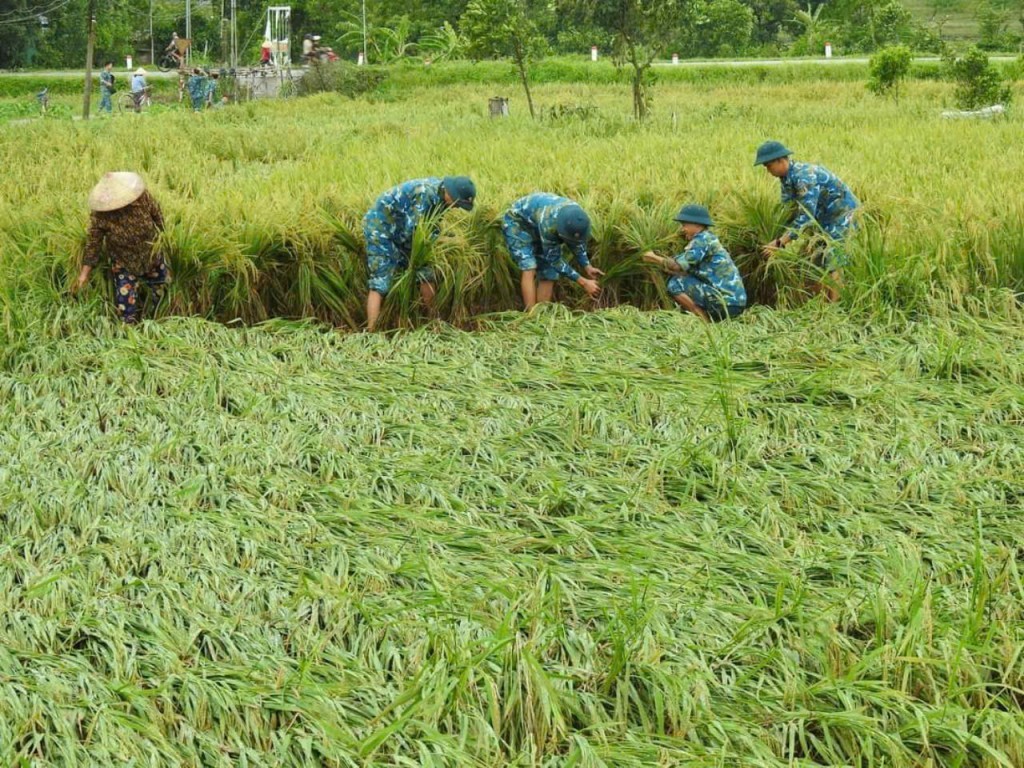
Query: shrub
[978, 83]
[888, 69]
[341, 77]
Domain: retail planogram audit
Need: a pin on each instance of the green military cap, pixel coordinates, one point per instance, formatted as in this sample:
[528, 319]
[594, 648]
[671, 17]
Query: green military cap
[771, 150]
[573, 224]
[694, 214]
[462, 191]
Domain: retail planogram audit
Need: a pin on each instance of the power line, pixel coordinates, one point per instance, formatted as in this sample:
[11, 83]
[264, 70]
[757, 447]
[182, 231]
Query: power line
[35, 15]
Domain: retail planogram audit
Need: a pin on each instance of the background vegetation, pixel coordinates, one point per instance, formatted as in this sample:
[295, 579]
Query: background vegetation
[52, 34]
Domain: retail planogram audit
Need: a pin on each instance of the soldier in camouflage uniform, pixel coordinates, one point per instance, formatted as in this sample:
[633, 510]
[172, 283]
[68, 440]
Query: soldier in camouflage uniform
[126, 222]
[536, 227]
[197, 89]
[106, 87]
[706, 282]
[822, 199]
[389, 227]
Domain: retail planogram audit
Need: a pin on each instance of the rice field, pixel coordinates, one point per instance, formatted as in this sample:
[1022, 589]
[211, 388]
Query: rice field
[264, 201]
[571, 538]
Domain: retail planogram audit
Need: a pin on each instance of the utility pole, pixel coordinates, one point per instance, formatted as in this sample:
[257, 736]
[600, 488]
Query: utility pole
[234, 34]
[152, 45]
[225, 54]
[188, 29]
[91, 29]
[365, 61]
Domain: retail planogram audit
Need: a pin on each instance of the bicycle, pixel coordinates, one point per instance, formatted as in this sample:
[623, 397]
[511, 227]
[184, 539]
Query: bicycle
[174, 59]
[126, 102]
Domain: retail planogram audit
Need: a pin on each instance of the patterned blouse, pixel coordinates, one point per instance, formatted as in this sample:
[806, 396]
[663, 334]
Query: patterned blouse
[127, 234]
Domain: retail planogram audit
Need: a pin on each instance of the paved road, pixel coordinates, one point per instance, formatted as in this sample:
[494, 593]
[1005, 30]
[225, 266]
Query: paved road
[783, 62]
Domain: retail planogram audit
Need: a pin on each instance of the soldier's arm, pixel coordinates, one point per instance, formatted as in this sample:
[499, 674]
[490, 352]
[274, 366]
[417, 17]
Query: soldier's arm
[690, 257]
[580, 252]
[807, 196]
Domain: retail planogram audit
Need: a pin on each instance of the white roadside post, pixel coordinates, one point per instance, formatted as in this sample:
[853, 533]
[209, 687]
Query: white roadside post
[593, 53]
[828, 50]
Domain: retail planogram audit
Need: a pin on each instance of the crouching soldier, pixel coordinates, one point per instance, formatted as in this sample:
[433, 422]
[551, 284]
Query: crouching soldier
[822, 199]
[536, 227]
[705, 280]
[125, 223]
[389, 227]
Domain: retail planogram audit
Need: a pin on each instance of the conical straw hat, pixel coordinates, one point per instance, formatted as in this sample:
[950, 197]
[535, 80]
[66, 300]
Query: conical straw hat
[116, 190]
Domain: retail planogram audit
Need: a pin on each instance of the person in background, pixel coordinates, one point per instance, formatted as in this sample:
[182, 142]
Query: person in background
[106, 87]
[265, 53]
[125, 224]
[197, 89]
[822, 199]
[138, 88]
[211, 89]
[536, 228]
[307, 48]
[705, 279]
[390, 225]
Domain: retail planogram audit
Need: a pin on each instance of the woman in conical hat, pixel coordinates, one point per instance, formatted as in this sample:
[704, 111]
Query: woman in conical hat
[125, 223]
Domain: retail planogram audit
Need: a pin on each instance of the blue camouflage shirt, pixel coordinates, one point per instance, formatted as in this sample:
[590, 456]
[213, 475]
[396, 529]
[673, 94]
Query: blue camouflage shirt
[820, 195]
[706, 259]
[398, 211]
[537, 214]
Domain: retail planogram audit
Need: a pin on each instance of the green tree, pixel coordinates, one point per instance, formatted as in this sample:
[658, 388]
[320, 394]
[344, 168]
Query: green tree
[941, 11]
[813, 27]
[504, 28]
[772, 18]
[721, 27]
[637, 31]
[978, 84]
[888, 69]
[993, 20]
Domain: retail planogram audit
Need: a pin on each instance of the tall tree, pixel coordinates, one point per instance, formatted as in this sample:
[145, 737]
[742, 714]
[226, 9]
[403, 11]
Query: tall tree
[504, 28]
[637, 31]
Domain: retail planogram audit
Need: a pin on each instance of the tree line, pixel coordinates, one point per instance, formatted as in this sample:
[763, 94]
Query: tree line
[52, 33]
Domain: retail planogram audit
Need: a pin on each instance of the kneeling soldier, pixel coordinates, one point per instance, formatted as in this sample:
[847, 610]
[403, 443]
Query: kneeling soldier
[706, 281]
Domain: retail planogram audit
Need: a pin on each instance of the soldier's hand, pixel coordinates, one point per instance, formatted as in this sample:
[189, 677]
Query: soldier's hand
[651, 258]
[769, 248]
[592, 272]
[590, 286]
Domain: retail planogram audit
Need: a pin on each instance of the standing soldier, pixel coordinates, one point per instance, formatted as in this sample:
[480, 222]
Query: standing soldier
[536, 227]
[389, 227]
[125, 223]
[197, 89]
[211, 89]
[822, 199]
[106, 87]
[705, 280]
